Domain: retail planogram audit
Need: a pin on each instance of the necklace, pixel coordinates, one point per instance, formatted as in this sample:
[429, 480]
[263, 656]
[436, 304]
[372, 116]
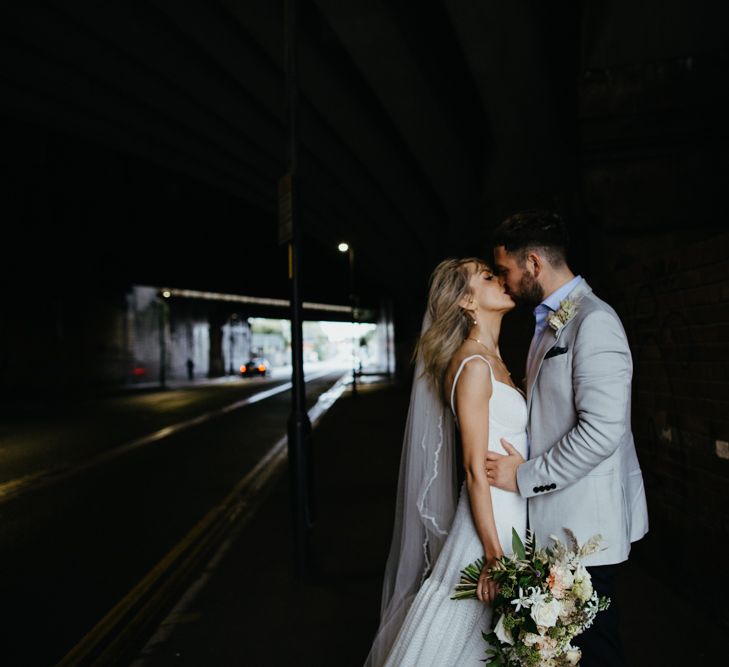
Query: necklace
[489, 351]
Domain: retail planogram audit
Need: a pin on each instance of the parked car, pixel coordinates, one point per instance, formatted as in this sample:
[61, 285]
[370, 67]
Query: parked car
[256, 366]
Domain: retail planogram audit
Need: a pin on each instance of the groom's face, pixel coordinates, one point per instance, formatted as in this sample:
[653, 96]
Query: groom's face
[517, 277]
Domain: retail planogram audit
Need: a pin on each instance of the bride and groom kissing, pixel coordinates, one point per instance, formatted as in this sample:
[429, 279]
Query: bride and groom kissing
[556, 454]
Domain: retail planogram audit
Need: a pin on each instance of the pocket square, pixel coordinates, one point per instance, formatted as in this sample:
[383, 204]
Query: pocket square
[555, 352]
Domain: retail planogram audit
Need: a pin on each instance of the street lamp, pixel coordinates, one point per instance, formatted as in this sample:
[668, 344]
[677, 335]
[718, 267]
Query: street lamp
[345, 247]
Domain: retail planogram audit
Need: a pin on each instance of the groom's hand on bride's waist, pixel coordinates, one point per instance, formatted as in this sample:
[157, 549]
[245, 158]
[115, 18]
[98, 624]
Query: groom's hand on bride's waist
[501, 468]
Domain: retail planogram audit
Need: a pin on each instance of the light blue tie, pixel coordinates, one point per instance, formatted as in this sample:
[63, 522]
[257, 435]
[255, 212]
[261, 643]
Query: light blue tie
[541, 313]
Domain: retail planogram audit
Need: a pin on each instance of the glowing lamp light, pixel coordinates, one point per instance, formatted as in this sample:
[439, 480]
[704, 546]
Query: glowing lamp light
[262, 368]
[243, 369]
[343, 247]
[166, 294]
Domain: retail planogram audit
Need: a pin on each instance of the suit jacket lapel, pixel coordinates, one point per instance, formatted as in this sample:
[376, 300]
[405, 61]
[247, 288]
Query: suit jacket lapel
[543, 344]
[547, 340]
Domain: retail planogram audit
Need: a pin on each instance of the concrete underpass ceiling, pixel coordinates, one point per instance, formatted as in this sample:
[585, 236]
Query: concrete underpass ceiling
[153, 131]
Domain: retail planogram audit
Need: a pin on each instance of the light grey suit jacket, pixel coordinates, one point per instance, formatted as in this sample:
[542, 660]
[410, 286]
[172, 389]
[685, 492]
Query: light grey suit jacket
[583, 471]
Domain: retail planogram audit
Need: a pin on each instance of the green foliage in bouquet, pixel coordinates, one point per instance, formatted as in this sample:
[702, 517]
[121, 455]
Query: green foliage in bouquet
[545, 599]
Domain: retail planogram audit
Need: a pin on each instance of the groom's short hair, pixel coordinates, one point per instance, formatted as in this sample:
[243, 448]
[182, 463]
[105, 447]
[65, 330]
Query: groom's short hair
[534, 229]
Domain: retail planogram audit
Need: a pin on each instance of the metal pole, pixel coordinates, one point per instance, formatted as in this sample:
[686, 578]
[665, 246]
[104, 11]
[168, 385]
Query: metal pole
[353, 302]
[387, 304]
[299, 426]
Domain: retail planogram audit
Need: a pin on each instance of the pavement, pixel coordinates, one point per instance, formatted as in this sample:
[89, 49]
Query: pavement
[248, 608]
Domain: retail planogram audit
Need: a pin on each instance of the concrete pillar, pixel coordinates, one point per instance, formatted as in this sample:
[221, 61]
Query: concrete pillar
[216, 367]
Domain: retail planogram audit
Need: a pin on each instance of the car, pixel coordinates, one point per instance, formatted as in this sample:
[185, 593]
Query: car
[256, 366]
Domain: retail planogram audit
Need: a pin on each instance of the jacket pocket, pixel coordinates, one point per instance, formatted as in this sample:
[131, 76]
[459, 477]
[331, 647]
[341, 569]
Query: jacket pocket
[601, 473]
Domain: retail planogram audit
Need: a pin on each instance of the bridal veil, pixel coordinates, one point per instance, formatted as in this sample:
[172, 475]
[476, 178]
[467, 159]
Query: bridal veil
[426, 504]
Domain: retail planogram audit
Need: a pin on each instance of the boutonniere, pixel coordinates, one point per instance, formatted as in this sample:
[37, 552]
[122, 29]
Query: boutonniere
[567, 310]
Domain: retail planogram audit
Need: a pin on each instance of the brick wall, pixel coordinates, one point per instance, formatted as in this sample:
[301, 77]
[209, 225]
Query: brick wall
[675, 308]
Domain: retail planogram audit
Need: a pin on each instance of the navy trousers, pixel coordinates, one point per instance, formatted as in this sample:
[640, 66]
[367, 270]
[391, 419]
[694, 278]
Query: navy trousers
[600, 644]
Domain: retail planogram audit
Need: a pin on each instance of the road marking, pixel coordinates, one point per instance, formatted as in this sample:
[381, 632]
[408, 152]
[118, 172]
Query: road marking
[222, 523]
[15, 488]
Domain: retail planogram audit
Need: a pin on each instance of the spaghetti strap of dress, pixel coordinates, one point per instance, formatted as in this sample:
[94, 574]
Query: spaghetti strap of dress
[458, 374]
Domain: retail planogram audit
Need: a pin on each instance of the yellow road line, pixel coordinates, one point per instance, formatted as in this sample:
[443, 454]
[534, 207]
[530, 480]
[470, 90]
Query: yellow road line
[17, 486]
[184, 552]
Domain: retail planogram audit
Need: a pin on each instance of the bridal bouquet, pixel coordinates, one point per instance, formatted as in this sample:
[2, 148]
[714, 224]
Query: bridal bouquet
[545, 600]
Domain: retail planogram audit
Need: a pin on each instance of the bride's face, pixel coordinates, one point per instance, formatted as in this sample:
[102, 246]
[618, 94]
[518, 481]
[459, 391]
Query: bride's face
[487, 291]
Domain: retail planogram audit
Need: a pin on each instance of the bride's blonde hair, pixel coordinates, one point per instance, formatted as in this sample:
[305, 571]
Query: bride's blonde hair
[449, 323]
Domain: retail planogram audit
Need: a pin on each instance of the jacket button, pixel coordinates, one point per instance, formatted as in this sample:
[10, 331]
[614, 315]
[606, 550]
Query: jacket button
[537, 489]
[552, 486]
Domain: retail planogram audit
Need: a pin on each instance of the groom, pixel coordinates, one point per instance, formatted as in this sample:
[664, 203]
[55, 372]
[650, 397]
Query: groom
[582, 472]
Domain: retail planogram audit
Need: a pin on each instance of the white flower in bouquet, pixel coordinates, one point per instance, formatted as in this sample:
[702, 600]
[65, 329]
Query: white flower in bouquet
[528, 598]
[592, 606]
[502, 633]
[581, 573]
[530, 638]
[582, 588]
[572, 655]
[545, 613]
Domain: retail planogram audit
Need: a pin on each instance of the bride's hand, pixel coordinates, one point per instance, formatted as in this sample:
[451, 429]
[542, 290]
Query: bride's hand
[486, 589]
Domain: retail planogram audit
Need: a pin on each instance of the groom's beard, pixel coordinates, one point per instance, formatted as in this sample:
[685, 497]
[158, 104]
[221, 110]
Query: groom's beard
[528, 291]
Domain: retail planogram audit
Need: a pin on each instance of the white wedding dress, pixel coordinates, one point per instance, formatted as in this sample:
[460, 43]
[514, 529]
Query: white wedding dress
[438, 631]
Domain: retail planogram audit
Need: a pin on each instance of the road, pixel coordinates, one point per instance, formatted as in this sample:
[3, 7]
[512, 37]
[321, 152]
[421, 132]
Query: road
[76, 538]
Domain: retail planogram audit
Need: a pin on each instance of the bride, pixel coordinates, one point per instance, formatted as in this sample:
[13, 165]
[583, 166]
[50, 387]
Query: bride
[459, 376]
